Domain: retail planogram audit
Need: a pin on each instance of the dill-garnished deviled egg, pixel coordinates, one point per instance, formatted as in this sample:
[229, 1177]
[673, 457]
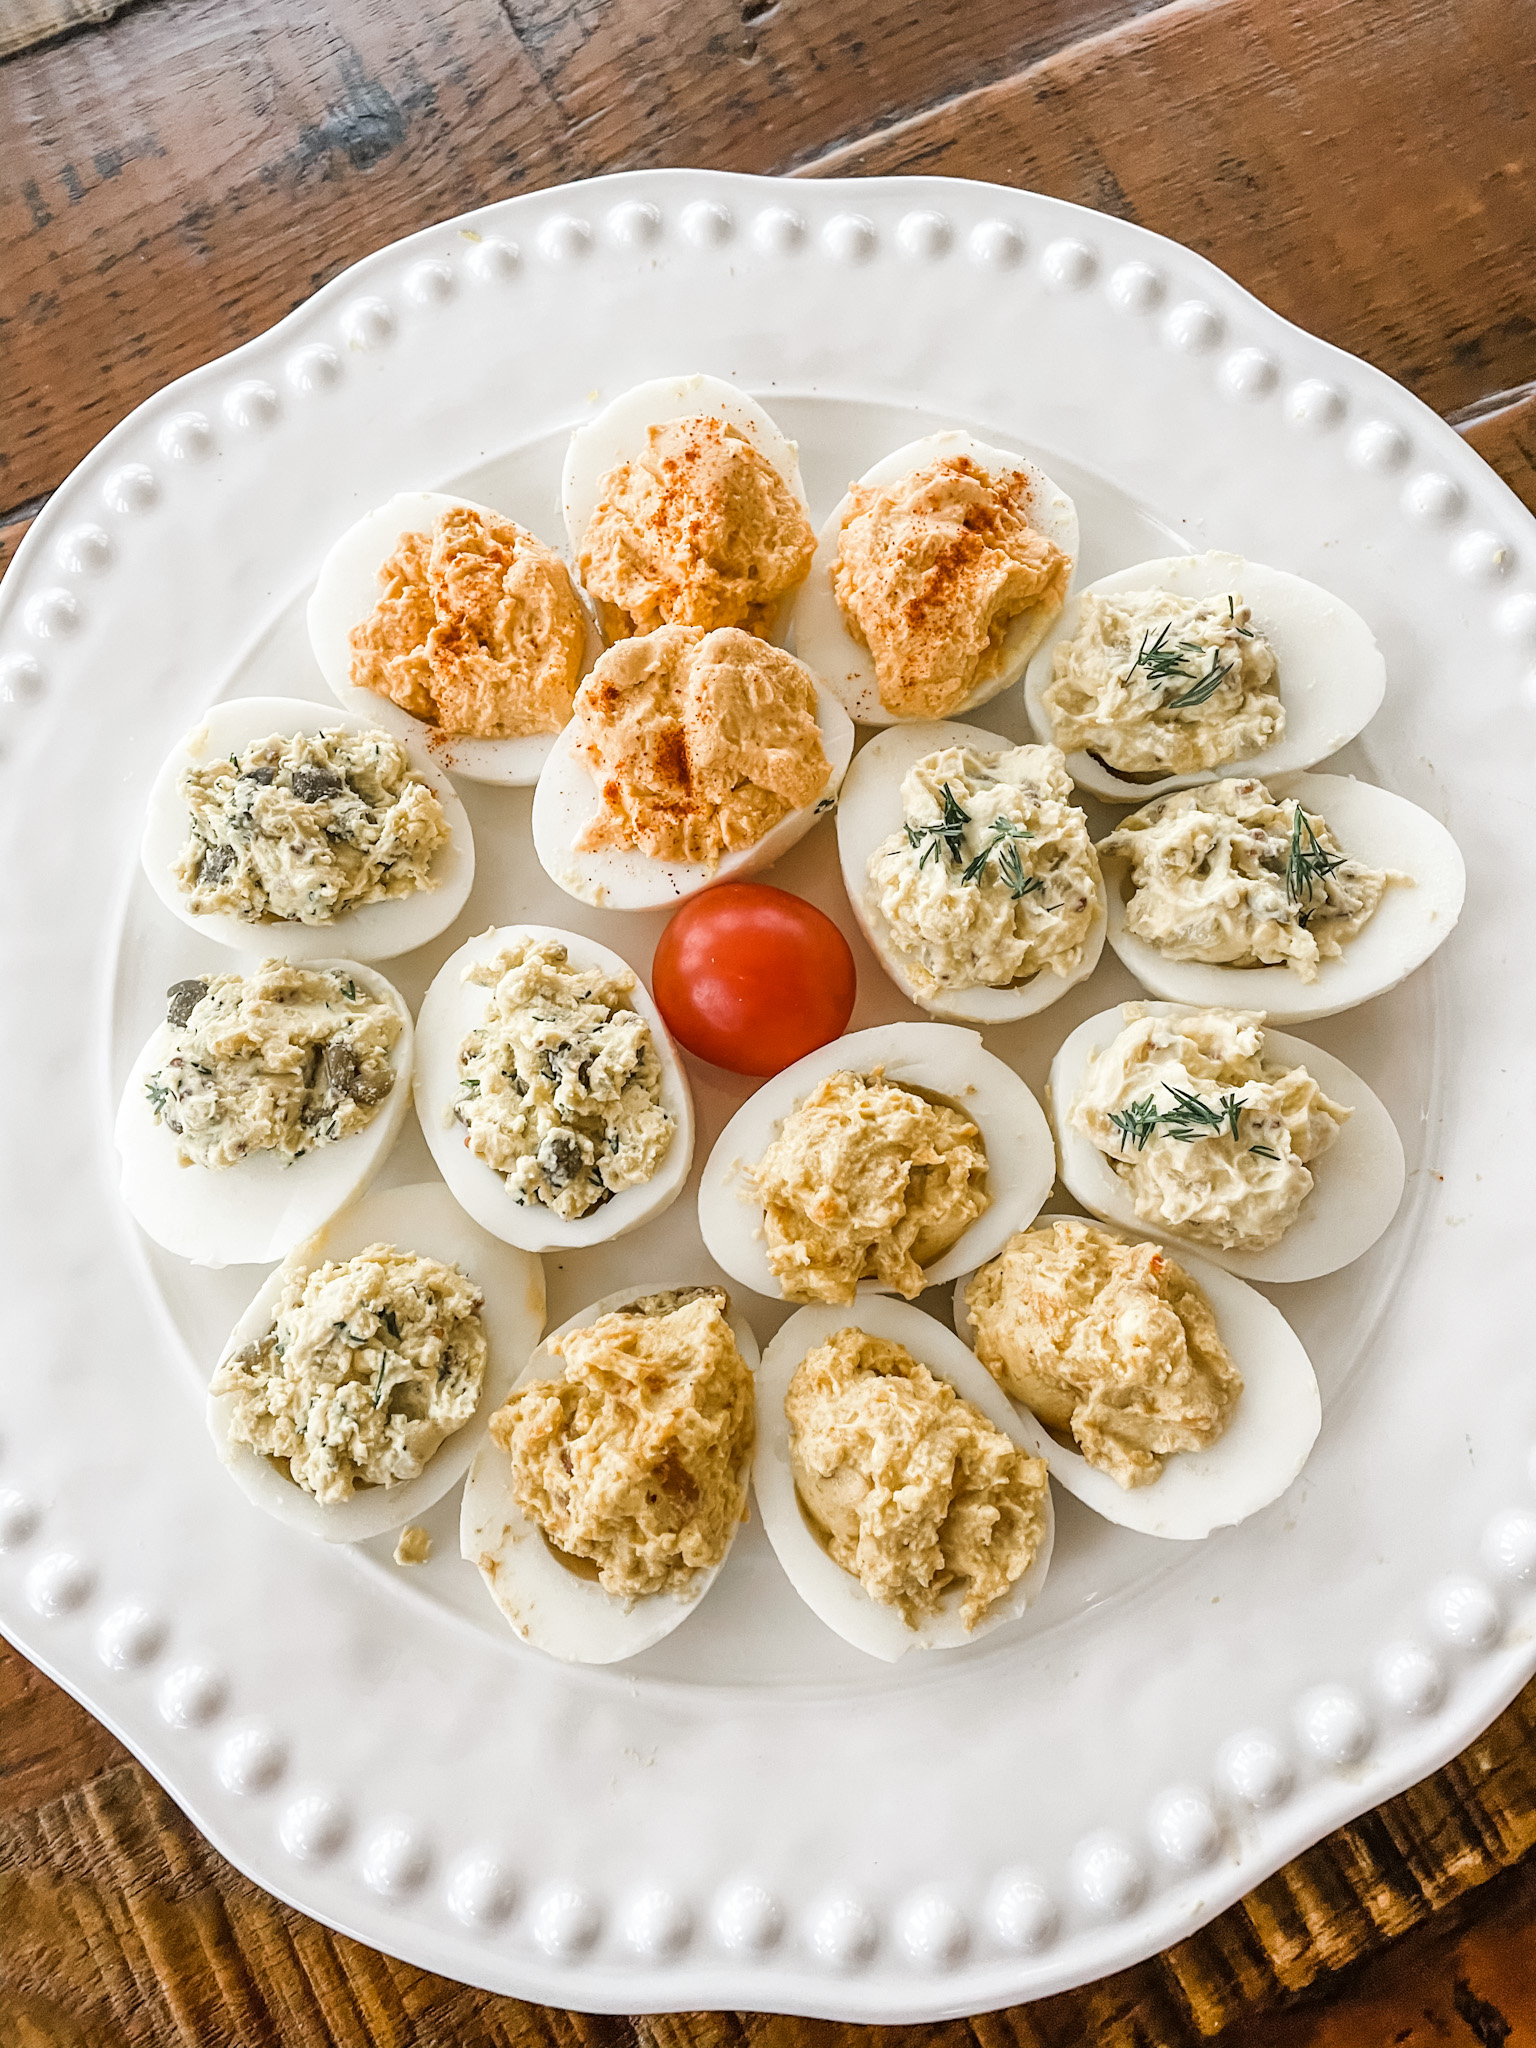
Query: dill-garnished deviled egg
[971, 874]
[456, 629]
[1299, 896]
[265, 1102]
[1199, 1126]
[276, 824]
[355, 1389]
[888, 1161]
[898, 1486]
[549, 1090]
[1170, 672]
[1167, 1395]
[935, 579]
[615, 1480]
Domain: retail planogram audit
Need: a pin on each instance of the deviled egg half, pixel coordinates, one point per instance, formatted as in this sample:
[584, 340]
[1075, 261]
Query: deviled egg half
[549, 1090]
[898, 1486]
[355, 1389]
[454, 628]
[888, 1161]
[1201, 1127]
[1300, 896]
[605, 1504]
[935, 579]
[971, 874]
[1164, 1393]
[276, 824]
[265, 1102]
[1170, 672]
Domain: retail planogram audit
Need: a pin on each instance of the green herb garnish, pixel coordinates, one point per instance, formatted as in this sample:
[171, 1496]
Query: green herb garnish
[945, 835]
[1308, 866]
[1264, 1151]
[1199, 691]
[1137, 1123]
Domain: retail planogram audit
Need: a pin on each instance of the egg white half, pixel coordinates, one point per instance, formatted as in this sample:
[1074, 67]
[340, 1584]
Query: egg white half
[257, 1209]
[1330, 671]
[371, 931]
[617, 878]
[1358, 1181]
[821, 636]
[943, 1061]
[833, 1595]
[450, 1010]
[556, 1608]
[1372, 825]
[346, 591]
[1273, 1427]
[423, 1219]
[869, 811]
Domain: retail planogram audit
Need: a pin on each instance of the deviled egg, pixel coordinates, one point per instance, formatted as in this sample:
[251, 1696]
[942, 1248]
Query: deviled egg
[454, 628]
[615, 1481]
[896, 1483]
[1165, 1394]
[693, 757]
[262, 1104]
[276, 823]
[1300, 897]
[971, 874]
[549, 1090]
[888, 1161]
[1164, 674]
[935, 579]
[1199, 1126]
[684, 507]
[355, 1389]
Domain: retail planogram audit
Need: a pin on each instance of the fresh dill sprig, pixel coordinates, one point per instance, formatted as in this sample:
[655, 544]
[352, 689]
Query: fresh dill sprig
[1136, 1123]
[1192, 1118]
[1206, 686]
[1307, 866]
[1264, 1151]
[1163, 659]
[1004, 832]
[1011, 868]
[944, 835]
[1242, 632]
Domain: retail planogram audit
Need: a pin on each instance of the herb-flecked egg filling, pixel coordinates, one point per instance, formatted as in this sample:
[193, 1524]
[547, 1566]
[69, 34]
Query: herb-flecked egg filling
[993, 878]
[560, 1087]
[304, 826]
[368, 1367]
[284, 1059]
[1229, 875]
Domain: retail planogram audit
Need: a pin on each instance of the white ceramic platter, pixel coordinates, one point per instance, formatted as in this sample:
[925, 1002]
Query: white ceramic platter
[735, 1818]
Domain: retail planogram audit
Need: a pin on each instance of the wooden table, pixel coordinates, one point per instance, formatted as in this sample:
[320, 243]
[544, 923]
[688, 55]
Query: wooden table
[173, 181]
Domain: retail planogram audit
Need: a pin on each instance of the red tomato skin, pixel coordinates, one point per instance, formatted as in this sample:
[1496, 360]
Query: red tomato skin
[751, 978]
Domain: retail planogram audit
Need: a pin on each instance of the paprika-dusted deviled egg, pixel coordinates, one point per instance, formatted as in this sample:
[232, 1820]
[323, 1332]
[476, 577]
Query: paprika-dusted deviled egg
[693, 757]
[1170, 672]
[615, 1480]
[898, 1486]
[265, 1102]
[888, 1161]
[456, 629]
[970, 871]
[357, 1386]
[1200, 1127]
[684, 507]
[935, 579]
[549, 1090]
[1167, 1395]
[278, 825]
[1299, 897]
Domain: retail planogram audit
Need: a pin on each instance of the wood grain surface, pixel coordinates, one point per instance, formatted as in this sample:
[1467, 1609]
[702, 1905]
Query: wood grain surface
[172, 183]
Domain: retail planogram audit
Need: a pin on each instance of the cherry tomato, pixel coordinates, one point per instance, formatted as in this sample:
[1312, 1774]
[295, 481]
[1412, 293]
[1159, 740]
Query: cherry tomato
[752, 978]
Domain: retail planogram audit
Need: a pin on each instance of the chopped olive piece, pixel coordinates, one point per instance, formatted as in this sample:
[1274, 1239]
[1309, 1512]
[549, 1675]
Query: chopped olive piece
[216, 864]
[182, 998]
[314, 785]
[340, 1066]
[262, 774]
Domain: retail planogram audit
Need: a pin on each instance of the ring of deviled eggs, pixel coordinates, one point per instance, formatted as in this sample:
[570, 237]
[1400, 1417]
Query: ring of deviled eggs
[347, 591]
[940, 1062]
[1357, 1187]
[1374, 828]
[870, 810]
[1268, 1438]
[555, 1603]
[368, 931]
[821, 635]
[453, 1008]
[259, 1208]
[422, 1220]
[1329, 671]
[834, 1595]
